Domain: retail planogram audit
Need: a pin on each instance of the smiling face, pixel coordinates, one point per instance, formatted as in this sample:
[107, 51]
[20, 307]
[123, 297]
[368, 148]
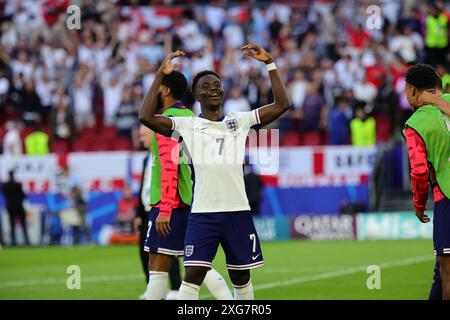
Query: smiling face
[209, 92]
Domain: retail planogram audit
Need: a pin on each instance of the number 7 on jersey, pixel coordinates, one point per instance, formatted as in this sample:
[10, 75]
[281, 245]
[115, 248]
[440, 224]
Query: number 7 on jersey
[220, 141]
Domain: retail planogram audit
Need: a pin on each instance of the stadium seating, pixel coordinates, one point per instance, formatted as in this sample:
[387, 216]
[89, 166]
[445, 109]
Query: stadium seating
[290, 139]
[311, 138]
[59, 146]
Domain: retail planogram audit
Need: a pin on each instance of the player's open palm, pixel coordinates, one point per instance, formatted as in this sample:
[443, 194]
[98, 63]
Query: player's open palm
[162, 225]
[167, 66]
[257, 52]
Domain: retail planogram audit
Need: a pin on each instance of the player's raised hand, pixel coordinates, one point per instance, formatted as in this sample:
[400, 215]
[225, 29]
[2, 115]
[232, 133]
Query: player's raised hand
[257, 52]
[162, 225]
[167, 67]
[420, 214]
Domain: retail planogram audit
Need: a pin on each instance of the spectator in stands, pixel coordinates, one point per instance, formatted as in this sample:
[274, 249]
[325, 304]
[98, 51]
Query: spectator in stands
[365, 91]
[4, 88]
[113, 81]
[66, 181]
[346, 72]
[236, 103]
[83, 96]
[314, 110]
[358, 36]
[414, 20]
[12, 143]
[23, 66]
[403, 44]
[44, 89]
[254, 89]
[91, 65]
[363, 129]
[127, 114]
[79, 204]
[152, 51]
[232, 32]
[297, 89]
[338, 124]
[37, 142]
[30, 103]
[436, 36]
[62, 122]
[417, 40]
[126, 214]
[14, 197]
[186, 28]
[202, 60]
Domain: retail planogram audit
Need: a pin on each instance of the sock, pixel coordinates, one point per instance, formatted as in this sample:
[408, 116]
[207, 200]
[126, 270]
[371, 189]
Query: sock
[188, 291]
[217, 285]
[244, 292]
[157, 285]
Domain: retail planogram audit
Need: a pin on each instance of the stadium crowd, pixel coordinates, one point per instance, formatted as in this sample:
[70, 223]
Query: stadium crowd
[80, 89]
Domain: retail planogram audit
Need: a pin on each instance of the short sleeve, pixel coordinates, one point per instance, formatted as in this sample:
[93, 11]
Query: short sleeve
[249, 118]
[180, 123]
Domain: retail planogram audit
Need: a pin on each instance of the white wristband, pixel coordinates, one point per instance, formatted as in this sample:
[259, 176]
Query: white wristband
[271, 66]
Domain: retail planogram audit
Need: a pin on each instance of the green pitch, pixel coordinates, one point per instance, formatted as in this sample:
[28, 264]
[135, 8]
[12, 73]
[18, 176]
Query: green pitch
[292, 270]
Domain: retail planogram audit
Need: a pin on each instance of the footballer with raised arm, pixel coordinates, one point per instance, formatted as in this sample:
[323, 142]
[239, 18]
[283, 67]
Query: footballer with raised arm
[171, 195]
[215, 143]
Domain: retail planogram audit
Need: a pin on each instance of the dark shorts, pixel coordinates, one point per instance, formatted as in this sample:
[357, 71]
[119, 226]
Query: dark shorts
[173, 243]
[441, 227]
[235, 231]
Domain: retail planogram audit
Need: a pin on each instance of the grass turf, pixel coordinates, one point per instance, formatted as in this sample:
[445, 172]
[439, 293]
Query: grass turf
[292, 270]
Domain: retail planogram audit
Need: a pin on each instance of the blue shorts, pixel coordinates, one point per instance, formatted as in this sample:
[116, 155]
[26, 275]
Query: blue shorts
[441, 227]
[173, 243]
[235, 231]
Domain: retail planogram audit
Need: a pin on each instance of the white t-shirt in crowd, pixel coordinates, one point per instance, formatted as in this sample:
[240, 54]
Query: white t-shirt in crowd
[12, 144]
[82, 97]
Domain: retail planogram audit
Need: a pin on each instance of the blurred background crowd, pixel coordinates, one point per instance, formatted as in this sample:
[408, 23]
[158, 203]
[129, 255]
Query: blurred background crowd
[80, 90]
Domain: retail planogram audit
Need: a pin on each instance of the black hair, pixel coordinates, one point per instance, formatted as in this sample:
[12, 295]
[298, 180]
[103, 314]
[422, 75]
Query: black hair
[177, 83]
[188, 99]
[200, 75]
[422, 76]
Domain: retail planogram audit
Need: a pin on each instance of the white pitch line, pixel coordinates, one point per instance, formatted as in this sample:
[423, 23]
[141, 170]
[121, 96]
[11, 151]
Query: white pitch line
[334, 274]
[293, 281]
[38, 282]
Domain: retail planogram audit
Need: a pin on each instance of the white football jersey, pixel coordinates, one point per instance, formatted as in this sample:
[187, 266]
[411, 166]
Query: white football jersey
[216, 150]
